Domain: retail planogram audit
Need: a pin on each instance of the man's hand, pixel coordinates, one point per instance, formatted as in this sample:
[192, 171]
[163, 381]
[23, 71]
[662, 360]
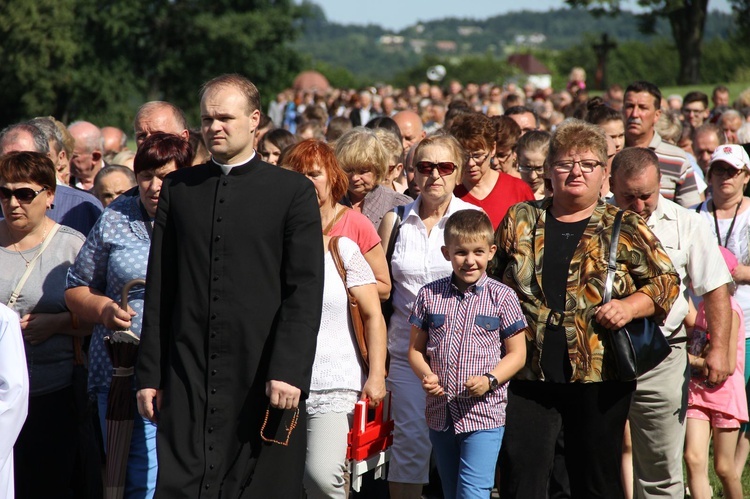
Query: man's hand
[149, 403]
[282, 395]
[477, 385]
[717, 364]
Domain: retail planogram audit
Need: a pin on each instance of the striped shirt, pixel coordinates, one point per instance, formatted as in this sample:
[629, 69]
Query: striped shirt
[678, 181]
[466, 333]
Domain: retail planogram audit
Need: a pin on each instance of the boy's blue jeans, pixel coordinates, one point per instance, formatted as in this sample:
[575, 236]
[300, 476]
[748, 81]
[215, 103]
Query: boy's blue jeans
[141, 472]
[466, 461]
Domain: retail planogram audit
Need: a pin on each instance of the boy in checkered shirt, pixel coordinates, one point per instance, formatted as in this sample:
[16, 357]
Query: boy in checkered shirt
[465, 345]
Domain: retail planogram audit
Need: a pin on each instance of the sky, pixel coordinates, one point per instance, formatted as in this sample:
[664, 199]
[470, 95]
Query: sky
[398, 14]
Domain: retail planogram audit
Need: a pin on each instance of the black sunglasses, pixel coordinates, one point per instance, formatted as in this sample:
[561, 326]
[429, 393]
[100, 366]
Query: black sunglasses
[24, 194]
[444, 168]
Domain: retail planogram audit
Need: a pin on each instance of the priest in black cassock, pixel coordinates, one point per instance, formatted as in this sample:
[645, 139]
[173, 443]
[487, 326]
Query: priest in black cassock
[233, 303]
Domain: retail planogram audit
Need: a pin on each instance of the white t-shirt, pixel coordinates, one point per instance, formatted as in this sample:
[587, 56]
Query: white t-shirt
[738, 245]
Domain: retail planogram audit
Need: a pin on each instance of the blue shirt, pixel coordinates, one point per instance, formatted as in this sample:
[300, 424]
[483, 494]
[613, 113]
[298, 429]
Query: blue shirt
[115, 252]
[466, 332]
[75, 208]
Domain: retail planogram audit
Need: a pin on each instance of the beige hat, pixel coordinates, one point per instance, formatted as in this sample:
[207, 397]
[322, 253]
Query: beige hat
[731, 154]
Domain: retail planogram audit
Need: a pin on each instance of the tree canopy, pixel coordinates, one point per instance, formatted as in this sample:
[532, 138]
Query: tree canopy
[100, 59]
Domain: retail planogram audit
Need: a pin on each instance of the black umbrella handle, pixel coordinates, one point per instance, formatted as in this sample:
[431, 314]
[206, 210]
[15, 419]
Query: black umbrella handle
[126, 290]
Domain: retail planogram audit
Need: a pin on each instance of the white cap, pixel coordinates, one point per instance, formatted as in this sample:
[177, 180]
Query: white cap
[732, 154]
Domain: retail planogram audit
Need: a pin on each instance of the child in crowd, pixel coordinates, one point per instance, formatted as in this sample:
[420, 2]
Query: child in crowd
[465, 345]
[719, 408]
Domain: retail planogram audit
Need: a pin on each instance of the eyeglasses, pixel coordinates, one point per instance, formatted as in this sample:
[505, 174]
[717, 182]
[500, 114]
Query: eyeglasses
[23, 195]
[477, 158]
[357, 171]
[693, 111]
[444, 168]
[723, 171]
[502, 157]
[539, 170]
[586, 165]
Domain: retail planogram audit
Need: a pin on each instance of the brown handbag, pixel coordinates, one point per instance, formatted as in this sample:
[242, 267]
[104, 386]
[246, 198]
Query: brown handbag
[354, 314]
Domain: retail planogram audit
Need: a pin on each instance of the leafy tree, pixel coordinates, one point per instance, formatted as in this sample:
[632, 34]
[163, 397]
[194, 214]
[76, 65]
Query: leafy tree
[687, 18]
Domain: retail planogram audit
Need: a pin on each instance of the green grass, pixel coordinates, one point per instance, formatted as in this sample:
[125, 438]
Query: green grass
[734, 90]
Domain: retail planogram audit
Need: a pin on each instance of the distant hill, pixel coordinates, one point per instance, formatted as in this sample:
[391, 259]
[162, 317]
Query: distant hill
[372, 52]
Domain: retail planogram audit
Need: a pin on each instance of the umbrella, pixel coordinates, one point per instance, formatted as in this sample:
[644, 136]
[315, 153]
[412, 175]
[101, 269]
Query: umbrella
[123, 350]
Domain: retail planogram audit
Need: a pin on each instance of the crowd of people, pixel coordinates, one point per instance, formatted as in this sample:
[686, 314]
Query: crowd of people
[427, 211]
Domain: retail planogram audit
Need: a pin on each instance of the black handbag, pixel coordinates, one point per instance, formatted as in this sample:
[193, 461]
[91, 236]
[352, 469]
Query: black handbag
[639, 346]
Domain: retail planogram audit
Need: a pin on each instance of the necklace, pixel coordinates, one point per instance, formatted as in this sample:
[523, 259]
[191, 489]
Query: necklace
[731, 226]
[15, 246]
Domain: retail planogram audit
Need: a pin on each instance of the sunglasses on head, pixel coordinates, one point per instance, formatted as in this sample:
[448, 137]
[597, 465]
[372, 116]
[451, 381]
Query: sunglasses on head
[444, 168]
[23, 195]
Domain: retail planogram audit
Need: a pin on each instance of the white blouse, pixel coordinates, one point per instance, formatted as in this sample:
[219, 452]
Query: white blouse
[337, 376]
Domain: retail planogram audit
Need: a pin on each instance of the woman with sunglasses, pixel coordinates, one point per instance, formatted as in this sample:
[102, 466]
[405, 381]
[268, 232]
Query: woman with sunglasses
[45, 450]
[492, 190]
[728, 214]
[116, 252]
[417, 260]
[554, 254]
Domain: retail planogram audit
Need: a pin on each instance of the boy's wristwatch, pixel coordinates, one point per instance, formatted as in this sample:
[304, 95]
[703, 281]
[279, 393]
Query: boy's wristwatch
[492, 380]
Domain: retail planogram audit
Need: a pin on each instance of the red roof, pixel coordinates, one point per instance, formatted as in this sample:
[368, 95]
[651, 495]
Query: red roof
[528, 64]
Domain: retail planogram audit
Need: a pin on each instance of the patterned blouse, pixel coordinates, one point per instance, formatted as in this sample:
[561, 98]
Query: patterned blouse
[642, 265]
[115, 252]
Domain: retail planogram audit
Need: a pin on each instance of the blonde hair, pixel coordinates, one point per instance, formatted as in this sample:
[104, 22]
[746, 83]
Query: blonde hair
[392, 145]
[469, 225]
[360, 147]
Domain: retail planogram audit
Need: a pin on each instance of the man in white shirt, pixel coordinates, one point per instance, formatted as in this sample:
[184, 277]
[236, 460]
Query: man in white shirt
[657, 412]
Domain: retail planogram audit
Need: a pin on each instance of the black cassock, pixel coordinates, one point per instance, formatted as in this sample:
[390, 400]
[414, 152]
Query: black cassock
[234, 296]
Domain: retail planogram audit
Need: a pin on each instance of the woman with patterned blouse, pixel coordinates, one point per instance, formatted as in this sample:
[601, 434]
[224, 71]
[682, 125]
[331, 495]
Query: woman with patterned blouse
[568, 379]
[116, 251]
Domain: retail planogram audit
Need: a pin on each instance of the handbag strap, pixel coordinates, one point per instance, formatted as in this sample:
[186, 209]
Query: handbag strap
[17, 292]
[333, 247]
[612, 263]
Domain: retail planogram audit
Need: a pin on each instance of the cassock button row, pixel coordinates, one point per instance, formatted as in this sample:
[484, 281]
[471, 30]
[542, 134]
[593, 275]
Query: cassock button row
[214, 355]
[213, 334]
[213, 372]
[208, 485]
[216, 298]
[213, 410]
[213, 391]
[216, 258]
[210, 447]
[213, 316]
[217, 238]
[210, 466]
[225, 182]
[210, 429]
[221, 200]
[220, 219]
[216, 278]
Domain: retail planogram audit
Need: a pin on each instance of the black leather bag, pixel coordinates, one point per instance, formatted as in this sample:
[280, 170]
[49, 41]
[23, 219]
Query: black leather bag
[639, 346]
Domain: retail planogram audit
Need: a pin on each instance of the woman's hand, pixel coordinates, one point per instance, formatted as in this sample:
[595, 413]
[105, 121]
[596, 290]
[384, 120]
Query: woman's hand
[431, 385]
[374, 390]
[614, 314]
[477, 385]
[38, 328]
[115, 318]
[741, 274]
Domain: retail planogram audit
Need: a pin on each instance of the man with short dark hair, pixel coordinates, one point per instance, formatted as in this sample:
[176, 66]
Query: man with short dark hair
[640, 111]
[526, 118]
[73, 207]
[720, 100]
[657, 412]
[231, 314]
[706, 139]
[695, 108]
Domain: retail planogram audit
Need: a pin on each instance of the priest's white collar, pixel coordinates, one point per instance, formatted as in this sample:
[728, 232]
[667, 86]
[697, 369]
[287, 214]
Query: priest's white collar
[227, 168]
